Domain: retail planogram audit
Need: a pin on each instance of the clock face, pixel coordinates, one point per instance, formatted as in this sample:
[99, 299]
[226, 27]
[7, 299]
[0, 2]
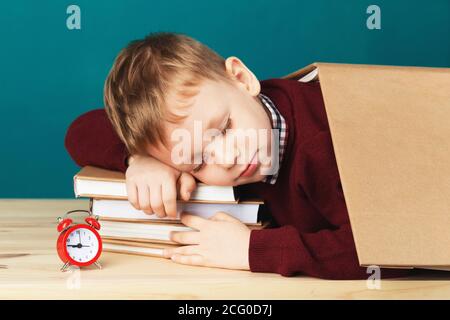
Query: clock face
[82, 245]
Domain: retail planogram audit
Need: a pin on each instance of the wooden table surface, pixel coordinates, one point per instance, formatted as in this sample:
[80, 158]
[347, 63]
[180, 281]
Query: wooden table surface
[29, 269]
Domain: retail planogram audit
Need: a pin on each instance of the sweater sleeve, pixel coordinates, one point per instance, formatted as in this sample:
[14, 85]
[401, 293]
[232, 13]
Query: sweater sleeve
[91, 140]
[328, 253]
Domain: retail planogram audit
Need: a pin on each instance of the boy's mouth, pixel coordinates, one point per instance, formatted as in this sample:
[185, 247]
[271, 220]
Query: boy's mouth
[251, 167]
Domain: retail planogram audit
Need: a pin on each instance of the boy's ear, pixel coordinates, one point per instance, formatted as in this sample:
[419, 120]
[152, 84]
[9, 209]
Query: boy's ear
[239, 72]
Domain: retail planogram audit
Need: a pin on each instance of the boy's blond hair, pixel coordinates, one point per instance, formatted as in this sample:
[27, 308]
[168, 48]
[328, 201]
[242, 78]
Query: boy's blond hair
[143, 75]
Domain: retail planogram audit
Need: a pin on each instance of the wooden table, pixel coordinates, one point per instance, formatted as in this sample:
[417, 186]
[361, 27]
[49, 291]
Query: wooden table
[29, 269]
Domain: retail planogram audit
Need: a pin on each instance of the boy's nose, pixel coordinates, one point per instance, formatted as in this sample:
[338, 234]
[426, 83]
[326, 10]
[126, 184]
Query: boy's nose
[230, 158]
[226, 156]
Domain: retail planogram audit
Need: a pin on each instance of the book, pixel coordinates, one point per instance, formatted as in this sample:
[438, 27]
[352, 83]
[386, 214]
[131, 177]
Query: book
[311, 76]
[136, 248]
[123, 210]
[94, 182]
[125, 229]
[146, 231]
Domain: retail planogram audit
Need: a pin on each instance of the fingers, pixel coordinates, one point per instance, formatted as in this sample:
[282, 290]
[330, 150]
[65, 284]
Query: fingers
[186, 183]
[169, 199]
[151, 185]
[184, 250]
[156, 202]
[193, 221]
[222, 216]
[193, 260]
[154, 199]
[132, 194]
[185, 237]
[144, 199]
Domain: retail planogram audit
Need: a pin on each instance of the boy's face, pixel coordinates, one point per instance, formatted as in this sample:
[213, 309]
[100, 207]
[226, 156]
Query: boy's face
[226, 136]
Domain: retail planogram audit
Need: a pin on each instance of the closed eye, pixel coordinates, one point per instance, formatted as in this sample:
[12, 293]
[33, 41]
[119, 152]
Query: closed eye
[197, 168]
[227, 126]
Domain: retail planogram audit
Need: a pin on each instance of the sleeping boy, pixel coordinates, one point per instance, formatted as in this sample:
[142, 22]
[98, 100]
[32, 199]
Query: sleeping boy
[269, 139]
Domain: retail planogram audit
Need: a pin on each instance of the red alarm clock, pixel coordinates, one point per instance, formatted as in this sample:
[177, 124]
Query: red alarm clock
[79, 244]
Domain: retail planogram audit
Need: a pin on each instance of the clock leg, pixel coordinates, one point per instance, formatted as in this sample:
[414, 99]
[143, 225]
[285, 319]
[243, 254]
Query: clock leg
[65, 266]
[98, 264]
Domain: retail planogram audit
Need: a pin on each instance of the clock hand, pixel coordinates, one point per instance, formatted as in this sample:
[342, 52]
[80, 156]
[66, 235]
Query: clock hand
[77, 245]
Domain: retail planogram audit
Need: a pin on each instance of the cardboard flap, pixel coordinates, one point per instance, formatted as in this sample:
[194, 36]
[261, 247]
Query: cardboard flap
[390, 128]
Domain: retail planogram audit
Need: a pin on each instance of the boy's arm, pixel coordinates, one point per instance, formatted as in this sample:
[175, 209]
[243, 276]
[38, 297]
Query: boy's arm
[328, 253]
[91, 140]
[151, 185]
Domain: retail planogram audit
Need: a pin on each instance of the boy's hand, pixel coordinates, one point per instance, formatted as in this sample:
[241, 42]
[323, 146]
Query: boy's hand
[221, 241]
[152, 186]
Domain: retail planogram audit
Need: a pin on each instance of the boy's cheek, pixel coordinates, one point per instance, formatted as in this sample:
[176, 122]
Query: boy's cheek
[214, 176]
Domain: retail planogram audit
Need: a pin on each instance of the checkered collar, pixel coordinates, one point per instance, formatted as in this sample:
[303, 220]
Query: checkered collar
[279, 123]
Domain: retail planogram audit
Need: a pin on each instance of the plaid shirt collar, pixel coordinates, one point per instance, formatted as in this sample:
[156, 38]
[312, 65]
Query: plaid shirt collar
[279, 123]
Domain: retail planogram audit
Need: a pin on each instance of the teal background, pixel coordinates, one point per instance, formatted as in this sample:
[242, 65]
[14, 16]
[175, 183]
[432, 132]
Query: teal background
[49, 75]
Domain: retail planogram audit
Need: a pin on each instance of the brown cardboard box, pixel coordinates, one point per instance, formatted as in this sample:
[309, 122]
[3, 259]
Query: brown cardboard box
[390, 128]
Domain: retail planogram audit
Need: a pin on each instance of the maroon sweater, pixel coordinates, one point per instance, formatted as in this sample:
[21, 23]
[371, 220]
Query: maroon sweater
[312, 233]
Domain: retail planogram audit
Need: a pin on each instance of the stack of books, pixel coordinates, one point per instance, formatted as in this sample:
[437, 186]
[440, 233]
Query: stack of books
[125, 229]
